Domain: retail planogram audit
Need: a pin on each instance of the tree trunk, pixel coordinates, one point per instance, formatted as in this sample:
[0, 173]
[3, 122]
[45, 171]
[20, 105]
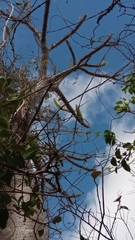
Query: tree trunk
[17, 228]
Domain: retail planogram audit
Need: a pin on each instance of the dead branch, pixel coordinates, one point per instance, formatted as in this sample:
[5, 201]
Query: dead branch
[68, 35]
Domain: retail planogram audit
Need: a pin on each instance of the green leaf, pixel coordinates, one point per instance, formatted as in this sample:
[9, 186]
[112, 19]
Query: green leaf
[57, 103]
[118, 154]
[5, 133]
[4, 215]
[109, 137]
[18, 161]
[125, 165]
[17, 148]
[4, 123]
[95, 174]
[123, 88]
[35, 188]
[127, 145]
[8, 81]
[11, 102]
[119, 102]
[41, 232]
[113, 161]
[79, 113]
[116, 108]
[57, 219]
[34, 200]
[6, 177]
[2, 86]
[28, 209]
[5, 198]
[30, 153]
[16, 207]
[18, 3]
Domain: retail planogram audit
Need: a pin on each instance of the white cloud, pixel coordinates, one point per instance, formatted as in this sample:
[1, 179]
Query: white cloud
[122, 183]
[87, 91]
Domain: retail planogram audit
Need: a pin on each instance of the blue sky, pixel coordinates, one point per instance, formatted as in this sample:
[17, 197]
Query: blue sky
[94, 102]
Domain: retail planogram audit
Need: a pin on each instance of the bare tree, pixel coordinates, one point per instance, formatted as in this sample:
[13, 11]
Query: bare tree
[36, 126]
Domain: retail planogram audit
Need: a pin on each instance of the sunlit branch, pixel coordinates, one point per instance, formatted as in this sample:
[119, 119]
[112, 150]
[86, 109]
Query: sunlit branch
[101, 75]
[78, 165]
[102, 64]
[85, 158]
[23, 21]
[32, 28]
[5, 28]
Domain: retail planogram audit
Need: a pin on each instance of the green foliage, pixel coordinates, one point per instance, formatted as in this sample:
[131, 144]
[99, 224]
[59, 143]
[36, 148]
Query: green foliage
[121, 159]
[129, 84]
[4, 215]
[124, 105]
[79, 113]
[4, 123]
[109, 137]
[118, 153]
[114, 161]
[5, 177]
[4, 200]
[125, 165]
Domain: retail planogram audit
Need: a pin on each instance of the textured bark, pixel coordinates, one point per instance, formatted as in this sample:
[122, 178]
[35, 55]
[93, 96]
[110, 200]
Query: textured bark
[17, 228]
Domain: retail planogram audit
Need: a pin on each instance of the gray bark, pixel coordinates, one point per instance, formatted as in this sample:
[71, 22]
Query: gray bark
[17, 228]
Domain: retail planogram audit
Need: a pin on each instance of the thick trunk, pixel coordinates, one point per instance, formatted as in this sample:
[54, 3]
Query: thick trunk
[17, 228]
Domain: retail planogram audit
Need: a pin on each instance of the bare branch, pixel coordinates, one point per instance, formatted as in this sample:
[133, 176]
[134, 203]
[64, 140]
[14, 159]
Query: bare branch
[5, 28]
[23, 21]
[68, 35]
[102, 64]
[101, 75]
[76, 164]
[87, 57]
[44, 48]
[72, 52]
[45, 22]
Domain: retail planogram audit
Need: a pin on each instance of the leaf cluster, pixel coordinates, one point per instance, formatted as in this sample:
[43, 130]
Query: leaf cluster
[124, 105]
